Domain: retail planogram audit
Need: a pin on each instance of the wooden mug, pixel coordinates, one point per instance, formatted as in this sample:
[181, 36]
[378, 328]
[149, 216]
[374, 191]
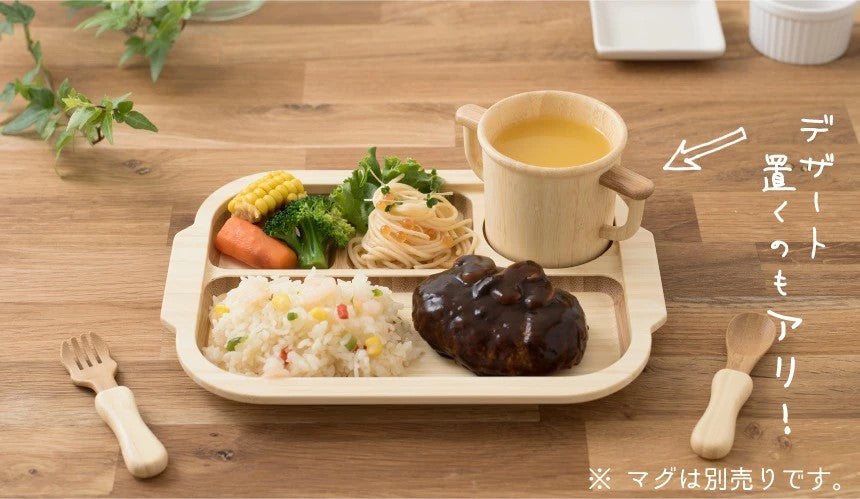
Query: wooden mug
[558, 217]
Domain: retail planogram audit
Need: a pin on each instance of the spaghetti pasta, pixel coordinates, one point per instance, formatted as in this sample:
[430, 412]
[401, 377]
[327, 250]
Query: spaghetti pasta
[410, 229]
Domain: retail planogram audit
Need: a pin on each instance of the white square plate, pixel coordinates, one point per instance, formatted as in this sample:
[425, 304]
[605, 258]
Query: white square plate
[657, 29]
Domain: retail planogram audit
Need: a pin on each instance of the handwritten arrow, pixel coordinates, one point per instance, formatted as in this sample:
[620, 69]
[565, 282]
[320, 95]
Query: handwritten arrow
[689, 160]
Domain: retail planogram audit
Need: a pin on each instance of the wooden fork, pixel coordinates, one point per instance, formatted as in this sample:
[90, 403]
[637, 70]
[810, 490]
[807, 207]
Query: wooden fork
[89, 363]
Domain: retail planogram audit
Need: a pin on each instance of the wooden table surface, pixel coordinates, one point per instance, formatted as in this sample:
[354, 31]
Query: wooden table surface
[311, 85]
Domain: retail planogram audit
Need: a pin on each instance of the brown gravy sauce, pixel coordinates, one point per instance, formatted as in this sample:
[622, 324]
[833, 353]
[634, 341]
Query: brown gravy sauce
[497, 321]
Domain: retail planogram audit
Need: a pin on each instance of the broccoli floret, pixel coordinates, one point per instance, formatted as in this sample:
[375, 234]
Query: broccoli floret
[309, 225]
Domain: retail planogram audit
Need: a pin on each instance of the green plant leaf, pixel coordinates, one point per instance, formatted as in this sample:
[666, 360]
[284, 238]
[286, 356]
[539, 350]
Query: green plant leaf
[90, 128]
[79, 117]
[23, 121]
[51, 126]
[136, 120]
[151, 26]
[134, 45]
[116, 101]
[46, 108]
[102, 20]
[63, 139]
[6, 28]
[63, 90]
[42, 97]
[37, 53]
[70, 103]
[156, 60]
[28, 78]
[7, 95]
[76, 100]
[124, 107]
[107, 126]
[93, 118]
[17, 12]
[128, 54]
[75, 5]
[22, 89]
[42, 122]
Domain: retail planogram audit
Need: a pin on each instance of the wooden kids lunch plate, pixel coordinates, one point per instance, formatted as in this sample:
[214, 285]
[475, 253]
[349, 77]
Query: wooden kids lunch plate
[620, 292]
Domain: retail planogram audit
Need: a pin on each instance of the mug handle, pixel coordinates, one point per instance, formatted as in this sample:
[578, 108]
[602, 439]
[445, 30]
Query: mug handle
[633, 189]
[468, 116]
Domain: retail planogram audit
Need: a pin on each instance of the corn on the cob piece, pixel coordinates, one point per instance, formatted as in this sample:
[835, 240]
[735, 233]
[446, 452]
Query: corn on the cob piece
[265, 196]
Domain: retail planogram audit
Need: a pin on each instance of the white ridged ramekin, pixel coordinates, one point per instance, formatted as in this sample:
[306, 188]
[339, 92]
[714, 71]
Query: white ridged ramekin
[801, 31]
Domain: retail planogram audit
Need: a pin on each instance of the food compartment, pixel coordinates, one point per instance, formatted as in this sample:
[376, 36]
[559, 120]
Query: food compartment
[460, 201]
[337, 257]
[219, 260]
[602, 299]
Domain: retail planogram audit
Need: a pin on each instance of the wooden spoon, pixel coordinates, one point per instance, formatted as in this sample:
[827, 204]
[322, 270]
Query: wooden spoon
[748, 337]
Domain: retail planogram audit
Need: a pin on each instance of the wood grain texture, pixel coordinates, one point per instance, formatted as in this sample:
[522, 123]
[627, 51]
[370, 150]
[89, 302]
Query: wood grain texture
[279, 459]
[144, 455]
[714, 434]
[311, 85]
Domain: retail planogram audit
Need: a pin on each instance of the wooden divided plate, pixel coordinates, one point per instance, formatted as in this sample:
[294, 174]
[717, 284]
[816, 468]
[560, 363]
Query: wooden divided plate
[620, 292]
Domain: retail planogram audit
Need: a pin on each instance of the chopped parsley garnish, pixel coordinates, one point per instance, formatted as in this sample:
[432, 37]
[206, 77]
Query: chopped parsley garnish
[391, 205]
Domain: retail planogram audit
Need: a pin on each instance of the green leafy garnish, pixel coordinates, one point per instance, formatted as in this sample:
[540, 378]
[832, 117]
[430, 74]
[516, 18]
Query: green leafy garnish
[231, 344]
[354, 194]
[152, 26]
[377, 292]
[432, 201]
[392, 205]
[291, 316]
[413, 174]
[350, 197]
[48, 108]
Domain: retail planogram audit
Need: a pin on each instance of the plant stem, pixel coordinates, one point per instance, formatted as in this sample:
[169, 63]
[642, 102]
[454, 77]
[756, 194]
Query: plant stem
[29, 39]
[30, 44]
[99, 137]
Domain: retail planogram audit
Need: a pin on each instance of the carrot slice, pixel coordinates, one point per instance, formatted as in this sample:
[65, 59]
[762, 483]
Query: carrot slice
[248, 243]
